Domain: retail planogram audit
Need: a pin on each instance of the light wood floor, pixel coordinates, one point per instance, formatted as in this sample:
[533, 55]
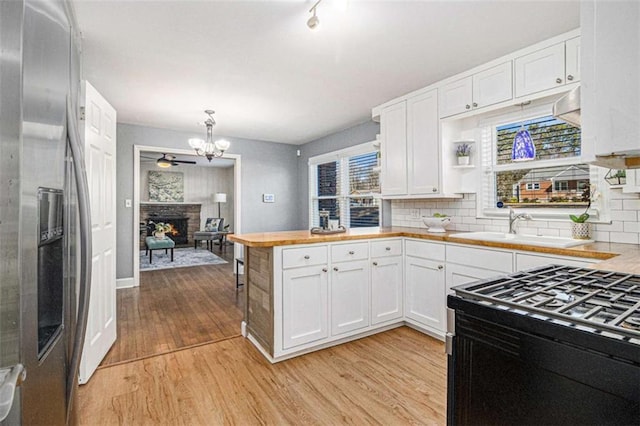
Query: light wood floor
[392, 378]
[177, 308]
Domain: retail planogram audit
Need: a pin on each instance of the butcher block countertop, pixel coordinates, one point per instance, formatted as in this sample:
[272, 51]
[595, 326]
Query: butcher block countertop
[614, 256]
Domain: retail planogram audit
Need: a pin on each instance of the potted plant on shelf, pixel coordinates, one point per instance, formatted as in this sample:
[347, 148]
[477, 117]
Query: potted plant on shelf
[580, 228]
[161, 229]
[463, 150]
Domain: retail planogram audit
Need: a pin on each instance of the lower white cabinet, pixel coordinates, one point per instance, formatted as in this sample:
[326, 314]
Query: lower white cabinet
[304, 305]
[463, 274]
[349, 296]
[424, 292]
[526, 261]
[386, 289]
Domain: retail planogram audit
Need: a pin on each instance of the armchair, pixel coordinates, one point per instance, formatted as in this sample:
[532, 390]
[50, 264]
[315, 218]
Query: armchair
[212, 231]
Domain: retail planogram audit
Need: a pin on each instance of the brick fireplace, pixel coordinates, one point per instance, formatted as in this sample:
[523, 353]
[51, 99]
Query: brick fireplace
[184, 218]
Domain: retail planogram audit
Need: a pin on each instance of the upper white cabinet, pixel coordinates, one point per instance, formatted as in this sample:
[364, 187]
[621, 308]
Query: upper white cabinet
[482, 89]
[548, 68]
[572, 60]
[410, 146]
[423, 158]
[610, 97]
[393, 150]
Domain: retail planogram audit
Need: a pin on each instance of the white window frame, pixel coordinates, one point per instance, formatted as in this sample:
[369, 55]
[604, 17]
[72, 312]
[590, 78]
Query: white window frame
[342, 156]
[533, 186]
[598, 211]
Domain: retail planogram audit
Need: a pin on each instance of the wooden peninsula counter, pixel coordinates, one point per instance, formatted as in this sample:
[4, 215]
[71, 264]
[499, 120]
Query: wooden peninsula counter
[306, 291]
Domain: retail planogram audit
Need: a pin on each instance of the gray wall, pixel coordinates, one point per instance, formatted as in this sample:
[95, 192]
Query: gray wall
[267, 167]
[365, 132]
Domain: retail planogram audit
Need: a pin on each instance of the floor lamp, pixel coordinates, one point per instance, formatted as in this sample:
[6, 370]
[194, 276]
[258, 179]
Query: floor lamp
[219, 197]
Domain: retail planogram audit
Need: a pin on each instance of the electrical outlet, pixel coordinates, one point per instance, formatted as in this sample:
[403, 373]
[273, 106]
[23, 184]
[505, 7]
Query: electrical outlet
[127, 203]
[415, 213]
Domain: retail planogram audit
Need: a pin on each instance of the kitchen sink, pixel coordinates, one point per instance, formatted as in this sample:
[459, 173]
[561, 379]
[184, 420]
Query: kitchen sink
[533, 240]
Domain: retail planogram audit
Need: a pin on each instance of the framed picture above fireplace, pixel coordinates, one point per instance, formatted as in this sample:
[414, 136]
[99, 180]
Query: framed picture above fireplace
[166, 186]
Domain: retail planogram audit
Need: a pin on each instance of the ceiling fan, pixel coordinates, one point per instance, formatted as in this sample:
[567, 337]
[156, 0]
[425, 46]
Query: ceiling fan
[168, 160]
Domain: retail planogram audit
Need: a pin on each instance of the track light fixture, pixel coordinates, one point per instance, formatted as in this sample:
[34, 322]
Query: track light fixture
[209, 148]
[313, 22]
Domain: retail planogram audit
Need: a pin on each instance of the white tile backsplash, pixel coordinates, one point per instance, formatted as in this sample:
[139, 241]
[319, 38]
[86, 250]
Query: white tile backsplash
[624, 213]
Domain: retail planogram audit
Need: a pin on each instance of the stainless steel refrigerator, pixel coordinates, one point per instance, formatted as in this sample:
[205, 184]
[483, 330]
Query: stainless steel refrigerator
[44, 250]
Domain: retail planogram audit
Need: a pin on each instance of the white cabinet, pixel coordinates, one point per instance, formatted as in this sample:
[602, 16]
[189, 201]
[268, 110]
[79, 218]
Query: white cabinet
[548, 68]
[304, 305]
[349, 296]
[482, 89]
[393, 149]
[572, 60]
[423, 145]
[610, 92]
[526, 261]
[410, 151]
[386, 289]
[464, 274]
[425, 284]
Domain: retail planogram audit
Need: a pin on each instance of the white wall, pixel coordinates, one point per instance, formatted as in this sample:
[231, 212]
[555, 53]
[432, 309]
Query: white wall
[200, 183]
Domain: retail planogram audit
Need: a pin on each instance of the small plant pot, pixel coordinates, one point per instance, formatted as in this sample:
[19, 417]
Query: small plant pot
[159, 235]
[463, 161]
[581, 231]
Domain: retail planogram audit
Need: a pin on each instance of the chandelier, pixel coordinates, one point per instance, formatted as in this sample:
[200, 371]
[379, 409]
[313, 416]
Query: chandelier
[209, 148]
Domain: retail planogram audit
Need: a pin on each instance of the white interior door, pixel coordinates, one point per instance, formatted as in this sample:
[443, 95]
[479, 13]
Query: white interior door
[99, 135]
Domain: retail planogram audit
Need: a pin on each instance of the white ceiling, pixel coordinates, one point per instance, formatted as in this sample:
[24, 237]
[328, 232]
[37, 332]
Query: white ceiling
[162, 63]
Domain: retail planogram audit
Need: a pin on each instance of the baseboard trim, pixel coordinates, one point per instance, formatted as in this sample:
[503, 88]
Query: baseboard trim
[125, 283]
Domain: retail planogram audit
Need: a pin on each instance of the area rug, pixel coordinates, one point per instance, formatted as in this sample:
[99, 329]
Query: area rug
[182, 257]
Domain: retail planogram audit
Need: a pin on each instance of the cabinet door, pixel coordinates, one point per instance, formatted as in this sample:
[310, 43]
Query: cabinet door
[424, 292]
[492, 86]
[349, 296]
[304, 305]
[456, 97]
[572, 60]
[393, 150]
[423, 148]
[462, 274]
[541, 70]
[386, 289]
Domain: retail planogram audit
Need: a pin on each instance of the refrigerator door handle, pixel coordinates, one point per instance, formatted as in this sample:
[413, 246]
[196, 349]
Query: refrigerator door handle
[10, 379]
[84, 219]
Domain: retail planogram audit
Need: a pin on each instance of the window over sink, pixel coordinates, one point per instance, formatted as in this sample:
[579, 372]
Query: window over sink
[346, 184]
[555, 183]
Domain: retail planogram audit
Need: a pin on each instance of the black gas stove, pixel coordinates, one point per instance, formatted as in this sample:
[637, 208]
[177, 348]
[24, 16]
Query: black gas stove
[554, 344]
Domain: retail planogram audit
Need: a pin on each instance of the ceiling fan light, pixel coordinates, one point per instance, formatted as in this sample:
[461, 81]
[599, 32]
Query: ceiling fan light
[164, 163]
[313, 22]
[222, 144]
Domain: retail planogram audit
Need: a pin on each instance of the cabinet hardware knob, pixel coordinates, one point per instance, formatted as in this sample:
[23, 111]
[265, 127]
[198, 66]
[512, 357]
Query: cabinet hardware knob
[467, 106]
[375, 263]
[434, 190]
[440, 267]
[570, 77]
[352, 252]
[335, 269]
[307, 257]
[324, 269]
[558, 80]
[387, 248]
[475, 104]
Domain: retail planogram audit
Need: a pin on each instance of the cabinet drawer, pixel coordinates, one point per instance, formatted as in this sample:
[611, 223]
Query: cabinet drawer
[424, 250]
[304, 256]
[386, 248]
[480, 258]
[347, 252]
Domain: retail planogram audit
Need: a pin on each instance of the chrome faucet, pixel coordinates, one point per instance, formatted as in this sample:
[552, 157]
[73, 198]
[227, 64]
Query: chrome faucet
[513, 217]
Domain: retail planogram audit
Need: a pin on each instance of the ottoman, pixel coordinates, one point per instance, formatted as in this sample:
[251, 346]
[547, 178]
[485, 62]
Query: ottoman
[153, 243]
